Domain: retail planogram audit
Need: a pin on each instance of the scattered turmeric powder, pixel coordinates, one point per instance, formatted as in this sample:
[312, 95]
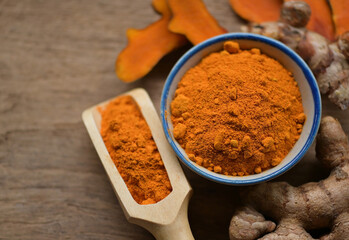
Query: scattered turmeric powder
[238, 112]
[133, 150]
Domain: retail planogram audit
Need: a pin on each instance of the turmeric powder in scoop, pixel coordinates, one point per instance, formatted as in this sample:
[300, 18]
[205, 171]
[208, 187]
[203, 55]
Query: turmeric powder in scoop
[131, 147]
[238, 112]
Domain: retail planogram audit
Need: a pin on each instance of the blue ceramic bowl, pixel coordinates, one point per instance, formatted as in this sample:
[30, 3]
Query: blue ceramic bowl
[275, 49]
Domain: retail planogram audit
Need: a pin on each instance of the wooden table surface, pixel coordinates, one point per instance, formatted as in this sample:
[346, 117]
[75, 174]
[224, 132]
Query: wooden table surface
[56, 59]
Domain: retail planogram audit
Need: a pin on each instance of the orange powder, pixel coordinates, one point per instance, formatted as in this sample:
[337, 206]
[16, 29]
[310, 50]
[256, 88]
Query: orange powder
[133, 150]
[238, 112]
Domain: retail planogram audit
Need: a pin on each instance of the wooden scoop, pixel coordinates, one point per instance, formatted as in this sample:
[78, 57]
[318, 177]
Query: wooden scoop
[167, 219]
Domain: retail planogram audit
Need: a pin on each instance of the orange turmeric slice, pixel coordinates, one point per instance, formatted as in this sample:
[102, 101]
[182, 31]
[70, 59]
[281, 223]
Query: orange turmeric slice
[321, 18]
[147, 46]
[340, 15]
[191, 18]
[257, 10]
[162, 7]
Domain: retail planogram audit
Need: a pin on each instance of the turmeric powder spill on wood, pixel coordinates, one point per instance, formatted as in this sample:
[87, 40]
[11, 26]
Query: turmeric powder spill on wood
[238, 112]
[134, 152]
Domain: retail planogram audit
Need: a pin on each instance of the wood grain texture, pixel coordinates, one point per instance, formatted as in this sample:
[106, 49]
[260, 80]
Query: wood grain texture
[57, 59]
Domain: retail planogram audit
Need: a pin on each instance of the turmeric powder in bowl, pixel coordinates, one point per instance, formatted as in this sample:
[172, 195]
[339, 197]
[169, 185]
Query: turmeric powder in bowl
[238, 112]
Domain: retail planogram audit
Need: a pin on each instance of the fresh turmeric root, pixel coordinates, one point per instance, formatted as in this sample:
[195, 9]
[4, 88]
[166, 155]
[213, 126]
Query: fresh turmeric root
[321, 18]
[299, 209]
[329, 62]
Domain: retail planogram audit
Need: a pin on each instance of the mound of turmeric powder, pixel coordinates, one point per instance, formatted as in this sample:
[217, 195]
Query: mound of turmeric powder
[238, 112]
[131, 146]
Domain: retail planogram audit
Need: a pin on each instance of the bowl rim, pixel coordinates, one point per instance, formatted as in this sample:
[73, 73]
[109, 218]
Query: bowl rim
[244, 36]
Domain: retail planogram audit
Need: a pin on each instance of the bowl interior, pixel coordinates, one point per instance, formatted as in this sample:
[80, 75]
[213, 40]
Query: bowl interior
[290, 60]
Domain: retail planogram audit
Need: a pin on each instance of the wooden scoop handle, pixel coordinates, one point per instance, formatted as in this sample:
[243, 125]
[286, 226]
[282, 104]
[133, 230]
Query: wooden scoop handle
[179, 229]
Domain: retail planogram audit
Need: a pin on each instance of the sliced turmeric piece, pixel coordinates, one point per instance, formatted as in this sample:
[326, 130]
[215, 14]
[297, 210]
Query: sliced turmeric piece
[191, 18]
[321, 18]
[257, 10]
[162, 7]
[147, 46]
[340, 15]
